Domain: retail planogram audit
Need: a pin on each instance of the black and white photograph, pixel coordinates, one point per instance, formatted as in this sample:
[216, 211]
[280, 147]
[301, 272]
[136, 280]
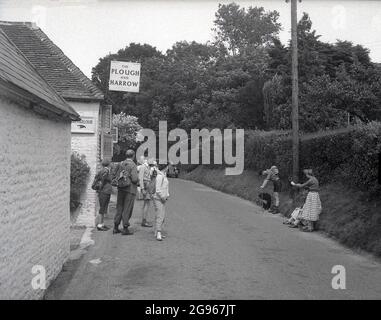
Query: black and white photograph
[190, 154]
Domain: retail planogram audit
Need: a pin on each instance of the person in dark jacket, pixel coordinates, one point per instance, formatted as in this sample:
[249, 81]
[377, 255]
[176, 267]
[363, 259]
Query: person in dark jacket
[128, 171]
[104, 193]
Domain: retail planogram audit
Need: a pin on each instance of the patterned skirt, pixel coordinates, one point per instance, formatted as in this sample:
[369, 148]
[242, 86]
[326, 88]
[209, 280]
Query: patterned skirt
[312, 207]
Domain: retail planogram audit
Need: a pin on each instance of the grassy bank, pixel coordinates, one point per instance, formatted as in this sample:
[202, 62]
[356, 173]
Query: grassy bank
[347, 215]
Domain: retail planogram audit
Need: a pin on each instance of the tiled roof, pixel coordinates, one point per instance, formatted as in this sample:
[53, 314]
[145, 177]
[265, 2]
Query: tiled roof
[17, 72]
[52, 64]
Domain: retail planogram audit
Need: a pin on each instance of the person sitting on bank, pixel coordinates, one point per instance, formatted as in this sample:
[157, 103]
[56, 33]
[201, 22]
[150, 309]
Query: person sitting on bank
[104, 193]
[295, 218]
[272, 175]
[312, 206]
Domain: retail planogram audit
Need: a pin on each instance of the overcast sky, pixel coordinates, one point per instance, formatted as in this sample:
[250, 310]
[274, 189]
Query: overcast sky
[86, 30]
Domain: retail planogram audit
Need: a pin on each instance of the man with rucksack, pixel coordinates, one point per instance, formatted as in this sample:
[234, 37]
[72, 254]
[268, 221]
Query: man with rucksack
[126, 179]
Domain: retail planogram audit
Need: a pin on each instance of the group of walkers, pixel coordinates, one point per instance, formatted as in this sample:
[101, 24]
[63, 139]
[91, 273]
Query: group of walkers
[304, 218]
[153, 184]
[127, 176]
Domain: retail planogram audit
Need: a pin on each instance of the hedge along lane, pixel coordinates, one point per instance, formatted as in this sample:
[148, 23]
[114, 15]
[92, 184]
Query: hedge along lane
[346, 155]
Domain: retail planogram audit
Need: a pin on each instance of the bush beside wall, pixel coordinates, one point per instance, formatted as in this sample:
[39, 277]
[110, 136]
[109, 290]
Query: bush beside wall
[79, 173]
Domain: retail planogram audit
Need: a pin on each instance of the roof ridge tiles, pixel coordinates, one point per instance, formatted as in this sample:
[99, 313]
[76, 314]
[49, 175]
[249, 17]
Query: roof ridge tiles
[70, 65]
[19, 71]
[54, 66]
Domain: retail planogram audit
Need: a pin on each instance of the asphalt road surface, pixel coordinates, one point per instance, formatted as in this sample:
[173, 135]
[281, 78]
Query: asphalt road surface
[217, 247]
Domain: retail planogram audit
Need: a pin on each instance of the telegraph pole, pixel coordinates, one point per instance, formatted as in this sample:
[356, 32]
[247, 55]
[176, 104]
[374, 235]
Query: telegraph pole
[295, 91]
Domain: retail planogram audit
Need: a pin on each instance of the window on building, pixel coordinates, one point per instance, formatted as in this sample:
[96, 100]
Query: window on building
[106, 118]
[106, 145]
[106, 137]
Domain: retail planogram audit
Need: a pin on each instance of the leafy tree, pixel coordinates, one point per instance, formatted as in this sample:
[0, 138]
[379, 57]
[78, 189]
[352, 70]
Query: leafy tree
[279, 58]
[131, 103]
[128, 127]
[175, 86]
[243, 78]
[347, 94]
[189, 72]
[201, 54]
[239, 30]
[273, 92]
[334, 80]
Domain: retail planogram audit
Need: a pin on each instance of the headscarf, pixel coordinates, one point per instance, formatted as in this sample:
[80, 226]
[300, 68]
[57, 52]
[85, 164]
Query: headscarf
[274, 170]
[308, 171]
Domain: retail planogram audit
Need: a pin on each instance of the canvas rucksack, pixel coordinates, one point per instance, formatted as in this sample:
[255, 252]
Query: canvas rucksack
[97, 184]
[265, 200]
[122, 178]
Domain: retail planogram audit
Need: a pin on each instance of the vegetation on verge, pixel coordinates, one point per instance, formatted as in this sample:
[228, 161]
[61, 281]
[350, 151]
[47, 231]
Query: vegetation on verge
[79, 173]
[346, 216]
[346, 164]
[348, 156]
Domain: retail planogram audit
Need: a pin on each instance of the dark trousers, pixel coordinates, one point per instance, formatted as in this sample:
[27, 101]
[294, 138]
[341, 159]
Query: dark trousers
[124, 207]
[104, 200]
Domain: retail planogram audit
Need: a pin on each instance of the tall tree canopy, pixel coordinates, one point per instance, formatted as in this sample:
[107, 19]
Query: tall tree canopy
[334, 80]
[238, 29]
[243, 78]
[138, 105]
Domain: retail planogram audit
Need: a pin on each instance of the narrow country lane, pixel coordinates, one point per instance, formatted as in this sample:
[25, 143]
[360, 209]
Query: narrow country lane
[218, 247]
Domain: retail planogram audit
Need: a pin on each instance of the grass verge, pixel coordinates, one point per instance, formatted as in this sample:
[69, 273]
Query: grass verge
[348, 216]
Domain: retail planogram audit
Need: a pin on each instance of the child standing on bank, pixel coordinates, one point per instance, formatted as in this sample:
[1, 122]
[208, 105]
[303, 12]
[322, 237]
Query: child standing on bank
[272, 175]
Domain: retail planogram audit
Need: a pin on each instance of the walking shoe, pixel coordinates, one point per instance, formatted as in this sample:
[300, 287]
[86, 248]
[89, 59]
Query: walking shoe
[163, 236]
[102, 227]
[158, 236]
[146, 224]
[306, 229]
[116, 230]
[127, 232]
[274, 210]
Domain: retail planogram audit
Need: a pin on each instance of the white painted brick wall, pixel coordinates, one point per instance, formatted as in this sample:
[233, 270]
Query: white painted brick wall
[87, 144]
[34, 198]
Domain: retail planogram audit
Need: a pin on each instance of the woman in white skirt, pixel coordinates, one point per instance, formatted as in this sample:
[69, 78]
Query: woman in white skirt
[312, 207]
